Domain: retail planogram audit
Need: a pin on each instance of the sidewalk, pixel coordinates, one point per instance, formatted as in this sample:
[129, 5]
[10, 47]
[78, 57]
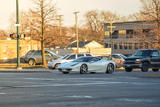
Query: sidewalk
[12, 67]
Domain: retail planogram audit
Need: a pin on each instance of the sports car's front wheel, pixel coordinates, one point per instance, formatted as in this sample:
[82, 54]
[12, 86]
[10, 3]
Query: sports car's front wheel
[110, 69]
[83, 69]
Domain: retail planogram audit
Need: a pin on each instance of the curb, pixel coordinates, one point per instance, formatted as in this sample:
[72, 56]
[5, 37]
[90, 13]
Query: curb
[42, 70]
[151, 75]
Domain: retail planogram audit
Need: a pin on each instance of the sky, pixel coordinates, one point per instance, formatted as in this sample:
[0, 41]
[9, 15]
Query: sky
[67, 7]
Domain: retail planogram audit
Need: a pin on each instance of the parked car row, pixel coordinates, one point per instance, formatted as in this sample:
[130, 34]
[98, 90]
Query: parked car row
[82, 62]
[86, 62]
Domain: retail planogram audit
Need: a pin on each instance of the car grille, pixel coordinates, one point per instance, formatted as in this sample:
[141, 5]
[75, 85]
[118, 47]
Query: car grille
[130, 61]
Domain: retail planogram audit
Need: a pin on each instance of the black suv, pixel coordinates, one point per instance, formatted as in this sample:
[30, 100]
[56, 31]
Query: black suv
[137, 59]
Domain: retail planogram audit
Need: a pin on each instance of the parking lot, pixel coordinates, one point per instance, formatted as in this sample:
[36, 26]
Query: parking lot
[54, 89]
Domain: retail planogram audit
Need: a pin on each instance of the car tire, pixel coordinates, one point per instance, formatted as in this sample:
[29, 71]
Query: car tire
[128, 69]
[83, 69]
[65, 72]
[155, 70]
[32, 62]
[110, 69]
[145, 67]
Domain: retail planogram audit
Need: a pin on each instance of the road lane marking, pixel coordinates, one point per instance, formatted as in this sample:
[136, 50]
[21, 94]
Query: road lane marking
[79, 96]
[136, 100]
[2, 93]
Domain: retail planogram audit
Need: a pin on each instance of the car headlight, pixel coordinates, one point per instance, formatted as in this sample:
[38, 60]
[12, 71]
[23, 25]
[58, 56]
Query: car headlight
[138, 60]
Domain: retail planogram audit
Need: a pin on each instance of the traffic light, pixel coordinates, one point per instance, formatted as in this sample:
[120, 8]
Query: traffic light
[13, 36]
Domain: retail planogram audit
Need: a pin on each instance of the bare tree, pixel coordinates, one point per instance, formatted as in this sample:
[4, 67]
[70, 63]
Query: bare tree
[45, 11]
[95, 22]
[151, 10]
[3, 34]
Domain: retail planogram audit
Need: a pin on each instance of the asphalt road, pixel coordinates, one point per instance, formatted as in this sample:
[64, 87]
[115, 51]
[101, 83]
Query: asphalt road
[121, 89]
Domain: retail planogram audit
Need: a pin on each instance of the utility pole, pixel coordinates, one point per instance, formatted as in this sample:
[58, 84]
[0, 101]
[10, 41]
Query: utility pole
[18, 41]
[60, 24]
[43, 35]
[76, 26]
[60, 27]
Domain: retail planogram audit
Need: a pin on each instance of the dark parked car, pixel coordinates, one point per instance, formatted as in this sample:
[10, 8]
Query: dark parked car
[137, 59]
[34, 57]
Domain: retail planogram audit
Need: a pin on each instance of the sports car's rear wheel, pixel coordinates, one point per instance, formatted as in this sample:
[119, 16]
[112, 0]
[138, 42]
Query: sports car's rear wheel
[83, 69]
[110, 69]
[65, 72]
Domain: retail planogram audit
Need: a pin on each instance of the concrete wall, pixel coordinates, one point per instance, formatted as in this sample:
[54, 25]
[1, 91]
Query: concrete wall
[8, 48]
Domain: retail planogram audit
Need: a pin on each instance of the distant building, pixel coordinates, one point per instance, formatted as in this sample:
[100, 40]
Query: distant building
[8, 48]
[125, 36]
[92, 47]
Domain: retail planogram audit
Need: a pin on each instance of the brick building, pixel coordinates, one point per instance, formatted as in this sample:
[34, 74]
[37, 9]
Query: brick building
[128, 37]
[8, 48]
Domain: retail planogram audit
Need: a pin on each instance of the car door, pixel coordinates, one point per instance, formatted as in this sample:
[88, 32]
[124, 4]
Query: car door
[155, 59]
[38, 56]
[96, 64]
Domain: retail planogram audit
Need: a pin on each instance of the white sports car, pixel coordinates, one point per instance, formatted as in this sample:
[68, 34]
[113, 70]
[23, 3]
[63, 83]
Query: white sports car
[88, 64]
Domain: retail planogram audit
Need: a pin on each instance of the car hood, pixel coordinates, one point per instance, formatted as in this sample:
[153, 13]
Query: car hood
[134, 57]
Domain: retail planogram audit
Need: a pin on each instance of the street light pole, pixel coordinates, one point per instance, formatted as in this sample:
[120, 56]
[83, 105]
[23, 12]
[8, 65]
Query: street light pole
[60, 28]
[76, 26]
[111, 31]
[60, 25]
[18, 41]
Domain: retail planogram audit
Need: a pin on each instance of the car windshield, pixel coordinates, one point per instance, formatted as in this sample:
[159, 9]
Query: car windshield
[142, 53]
[83, 59]
[65, 57]
[123, 56]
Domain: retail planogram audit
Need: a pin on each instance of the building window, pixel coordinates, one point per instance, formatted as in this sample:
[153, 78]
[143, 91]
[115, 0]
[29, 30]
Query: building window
[129, 33]
[146, 45]
[106, 45]
[125, 46]
[122, 33]
[130, 45]
[120, 46]
[110, 45]
[115, 34]
[115, 46]
[141, 46]
[136, 45]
